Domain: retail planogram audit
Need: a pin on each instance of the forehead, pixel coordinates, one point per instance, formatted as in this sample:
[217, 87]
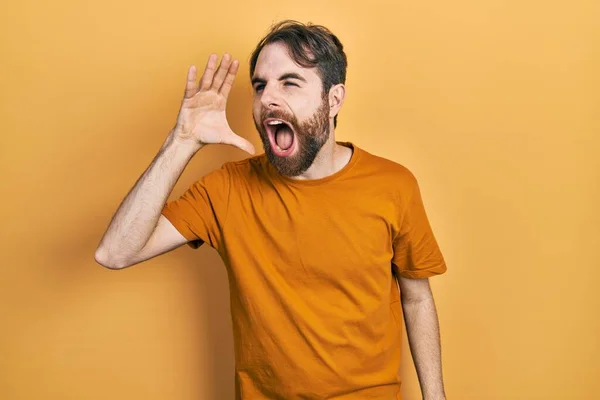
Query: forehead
[274, 60]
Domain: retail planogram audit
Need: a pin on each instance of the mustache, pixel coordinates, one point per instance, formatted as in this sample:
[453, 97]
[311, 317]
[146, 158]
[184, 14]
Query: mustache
[278, 114]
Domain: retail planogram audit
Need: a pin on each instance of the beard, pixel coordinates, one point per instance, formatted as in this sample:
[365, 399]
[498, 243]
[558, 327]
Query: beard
[310, 135]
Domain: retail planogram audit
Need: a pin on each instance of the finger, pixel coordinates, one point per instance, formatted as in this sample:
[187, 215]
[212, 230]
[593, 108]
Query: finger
[190, 85]
[222, 72]
[240, 142]
[228, 83]
[209, 72]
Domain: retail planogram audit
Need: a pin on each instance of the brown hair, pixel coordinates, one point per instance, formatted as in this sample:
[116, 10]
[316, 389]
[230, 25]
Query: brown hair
[309, 46]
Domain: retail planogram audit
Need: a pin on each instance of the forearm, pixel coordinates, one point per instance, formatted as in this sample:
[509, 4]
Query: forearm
[137, 216]
[424, 339]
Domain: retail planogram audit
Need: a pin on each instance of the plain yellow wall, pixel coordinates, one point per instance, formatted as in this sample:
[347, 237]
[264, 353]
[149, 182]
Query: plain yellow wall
[494, 106]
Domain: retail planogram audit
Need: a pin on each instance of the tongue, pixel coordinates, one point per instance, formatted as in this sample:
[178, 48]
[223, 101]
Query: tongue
[284, 137]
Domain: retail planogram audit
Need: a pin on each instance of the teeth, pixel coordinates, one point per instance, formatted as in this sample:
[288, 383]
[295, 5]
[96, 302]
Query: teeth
[274, 122]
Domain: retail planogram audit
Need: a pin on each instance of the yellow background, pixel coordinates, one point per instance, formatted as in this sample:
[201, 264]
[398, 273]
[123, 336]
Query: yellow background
[494, 106]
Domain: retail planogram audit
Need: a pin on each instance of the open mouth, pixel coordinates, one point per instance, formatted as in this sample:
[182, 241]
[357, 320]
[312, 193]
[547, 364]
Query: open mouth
[281, 136]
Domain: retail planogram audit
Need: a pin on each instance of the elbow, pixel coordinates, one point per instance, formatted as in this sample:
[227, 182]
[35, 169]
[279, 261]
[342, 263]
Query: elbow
[102, 258]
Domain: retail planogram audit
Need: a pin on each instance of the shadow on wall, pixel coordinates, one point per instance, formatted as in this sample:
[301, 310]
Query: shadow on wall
[178, 301]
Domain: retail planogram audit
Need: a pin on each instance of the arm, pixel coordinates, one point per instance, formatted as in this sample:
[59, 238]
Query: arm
[422, 328]
[138, 231]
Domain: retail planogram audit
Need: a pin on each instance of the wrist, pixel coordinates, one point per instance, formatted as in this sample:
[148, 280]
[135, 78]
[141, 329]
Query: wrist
[174, 142]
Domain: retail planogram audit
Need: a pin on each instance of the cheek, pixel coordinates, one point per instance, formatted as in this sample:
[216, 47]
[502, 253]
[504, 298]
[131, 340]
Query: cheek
[306, 111]
[256, 107]
[302, 108]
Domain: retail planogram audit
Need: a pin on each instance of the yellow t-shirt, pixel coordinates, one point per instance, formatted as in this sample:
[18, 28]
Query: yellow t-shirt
[314, 301]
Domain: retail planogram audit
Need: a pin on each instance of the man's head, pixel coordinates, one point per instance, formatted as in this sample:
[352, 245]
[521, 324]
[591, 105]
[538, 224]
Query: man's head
[298, 73]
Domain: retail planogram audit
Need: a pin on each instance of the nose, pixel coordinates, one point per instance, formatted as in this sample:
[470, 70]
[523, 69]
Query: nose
[270, 98]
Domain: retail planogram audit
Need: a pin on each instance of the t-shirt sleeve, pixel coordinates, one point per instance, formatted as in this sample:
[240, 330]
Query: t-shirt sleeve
[200, 212]
[416, 251]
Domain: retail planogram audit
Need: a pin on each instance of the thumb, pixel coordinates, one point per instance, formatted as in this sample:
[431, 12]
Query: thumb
[240, 142]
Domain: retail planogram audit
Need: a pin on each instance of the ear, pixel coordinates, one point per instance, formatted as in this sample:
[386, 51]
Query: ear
[337, 93]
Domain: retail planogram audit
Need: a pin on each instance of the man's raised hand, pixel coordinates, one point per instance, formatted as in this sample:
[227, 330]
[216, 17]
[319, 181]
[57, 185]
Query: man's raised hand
[202, 119]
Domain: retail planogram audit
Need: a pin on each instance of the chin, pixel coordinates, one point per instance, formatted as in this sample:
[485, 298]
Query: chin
[300, 158]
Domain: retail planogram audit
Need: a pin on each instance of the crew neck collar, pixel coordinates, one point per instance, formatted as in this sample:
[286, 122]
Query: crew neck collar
[356, 153]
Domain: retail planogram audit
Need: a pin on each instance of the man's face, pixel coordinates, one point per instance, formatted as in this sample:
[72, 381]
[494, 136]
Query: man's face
[289, 109]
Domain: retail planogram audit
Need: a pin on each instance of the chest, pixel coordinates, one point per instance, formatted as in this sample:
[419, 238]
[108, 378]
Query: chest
[315, 234]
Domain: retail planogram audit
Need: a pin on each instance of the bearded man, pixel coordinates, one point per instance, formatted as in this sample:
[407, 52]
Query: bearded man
[325, 244]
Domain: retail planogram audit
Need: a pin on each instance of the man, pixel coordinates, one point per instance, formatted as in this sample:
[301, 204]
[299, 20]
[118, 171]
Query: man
[314, 233]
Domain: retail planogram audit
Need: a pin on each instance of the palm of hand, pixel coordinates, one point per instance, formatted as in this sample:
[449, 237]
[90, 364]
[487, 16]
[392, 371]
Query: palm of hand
[202, 117]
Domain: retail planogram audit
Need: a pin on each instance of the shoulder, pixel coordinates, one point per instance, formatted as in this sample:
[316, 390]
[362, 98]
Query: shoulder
[230, 175]
[248, 169]
[247, 165]
[393, 172]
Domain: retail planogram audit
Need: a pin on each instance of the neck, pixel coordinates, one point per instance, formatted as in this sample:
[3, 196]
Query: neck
[331, 158]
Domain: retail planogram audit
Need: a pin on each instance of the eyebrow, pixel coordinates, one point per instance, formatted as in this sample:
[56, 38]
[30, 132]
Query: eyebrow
[289, 75]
